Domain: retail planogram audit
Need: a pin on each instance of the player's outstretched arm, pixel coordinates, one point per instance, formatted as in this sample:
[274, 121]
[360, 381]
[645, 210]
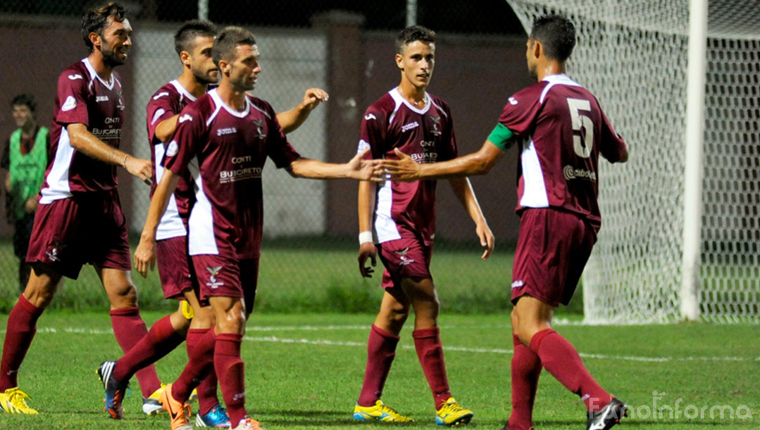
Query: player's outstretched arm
[407, 170]
[145, 255]
[357, 168]
[85, 142]
[166, 128]
[292, 119]
[463, 190]
[367, 249]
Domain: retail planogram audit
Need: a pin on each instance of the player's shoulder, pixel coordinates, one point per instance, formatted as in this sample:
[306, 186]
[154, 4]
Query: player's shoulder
[75, 75]
[200, 111]
[381, 107]
[167, 92]
[441, 105]
[260, 105]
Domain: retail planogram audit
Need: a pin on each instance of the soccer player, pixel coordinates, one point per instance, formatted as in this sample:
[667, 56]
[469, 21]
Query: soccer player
[562, 131]
[25, 159]
[417, 123]
[223, 140]
[79, 218]
[193, 43]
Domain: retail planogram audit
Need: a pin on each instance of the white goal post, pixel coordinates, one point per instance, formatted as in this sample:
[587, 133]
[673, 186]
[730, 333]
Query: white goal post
[680, 80]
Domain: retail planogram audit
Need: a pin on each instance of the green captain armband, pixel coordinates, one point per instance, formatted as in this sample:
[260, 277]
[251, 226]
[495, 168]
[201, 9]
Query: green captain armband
[500, 137]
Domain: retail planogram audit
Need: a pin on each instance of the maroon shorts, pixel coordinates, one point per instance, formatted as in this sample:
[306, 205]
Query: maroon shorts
[219, 276]
[552, 251]
[174, 267]
[407, 257]
[86, 228]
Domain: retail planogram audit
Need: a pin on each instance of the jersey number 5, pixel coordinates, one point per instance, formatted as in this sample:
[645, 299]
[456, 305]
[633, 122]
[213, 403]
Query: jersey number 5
[583, 140]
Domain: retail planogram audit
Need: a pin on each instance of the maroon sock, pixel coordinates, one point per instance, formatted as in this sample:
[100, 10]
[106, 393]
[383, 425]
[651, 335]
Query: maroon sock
[526, 368]
[22, 325]
[160, 340]
[381, 350]
[562, 360]
[207, 397]
[129, 329]
[427, 342]
[231, 370]
[199, 363]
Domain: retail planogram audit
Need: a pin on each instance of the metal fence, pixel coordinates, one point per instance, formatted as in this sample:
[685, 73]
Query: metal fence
[345, 47]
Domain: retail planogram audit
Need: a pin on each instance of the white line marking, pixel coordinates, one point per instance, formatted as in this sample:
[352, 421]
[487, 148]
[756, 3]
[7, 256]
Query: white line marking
[274, 339]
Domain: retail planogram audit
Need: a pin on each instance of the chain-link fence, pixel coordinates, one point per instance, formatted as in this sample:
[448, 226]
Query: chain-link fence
[345, 47]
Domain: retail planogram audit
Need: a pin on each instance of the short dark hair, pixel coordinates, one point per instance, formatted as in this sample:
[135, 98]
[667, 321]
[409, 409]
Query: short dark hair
[95, 20]
[228, 40]
[186, 35]
[556, 34]
[25, 100]
[411, 34]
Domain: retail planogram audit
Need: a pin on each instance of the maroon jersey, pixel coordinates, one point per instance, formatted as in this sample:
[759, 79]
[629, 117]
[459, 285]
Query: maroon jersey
[168, 101]
[564, 130]
[427, 135]
[225, 150]
[83, 97]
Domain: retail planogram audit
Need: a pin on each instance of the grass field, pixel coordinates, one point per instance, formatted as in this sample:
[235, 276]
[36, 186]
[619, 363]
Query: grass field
[305, 371]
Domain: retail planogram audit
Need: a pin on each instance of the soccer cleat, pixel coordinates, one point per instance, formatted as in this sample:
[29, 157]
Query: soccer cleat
[607, 417]
[151, 404]
[115, 390]
[452, 414]
[248, 424]
[379, 412]
[13, 401]
[217, 417]
[178, 412]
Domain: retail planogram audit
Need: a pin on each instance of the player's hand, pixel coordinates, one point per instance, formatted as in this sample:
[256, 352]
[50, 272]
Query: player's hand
[143, 169]
[367, 250]
[145, 255]
[361, 169]
[404, 169]
[31, 205]
[313, 97]
[487, 240]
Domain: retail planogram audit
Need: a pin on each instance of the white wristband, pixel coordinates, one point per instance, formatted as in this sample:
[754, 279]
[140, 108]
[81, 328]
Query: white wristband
[365, 236]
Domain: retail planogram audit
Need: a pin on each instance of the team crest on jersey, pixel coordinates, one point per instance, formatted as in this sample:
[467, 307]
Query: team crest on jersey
[120, 106]
[436, 120]
[404, 259]
[213, 272]
[172, 149]
[259, 123]
[69, 104]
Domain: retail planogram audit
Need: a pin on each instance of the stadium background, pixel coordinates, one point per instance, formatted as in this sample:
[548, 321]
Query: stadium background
[345, 47]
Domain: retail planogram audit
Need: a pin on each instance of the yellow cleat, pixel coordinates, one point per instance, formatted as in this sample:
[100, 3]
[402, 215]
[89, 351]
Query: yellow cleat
[13, 401]
[379, 412]
[452, 414]
[152, 404]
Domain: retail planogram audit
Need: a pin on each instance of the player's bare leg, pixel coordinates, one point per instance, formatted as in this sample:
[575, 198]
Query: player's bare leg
[22, 326]
[533, 327]
[128, 326]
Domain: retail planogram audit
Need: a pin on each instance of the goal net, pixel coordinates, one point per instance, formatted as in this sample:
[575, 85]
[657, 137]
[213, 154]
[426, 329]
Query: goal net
[632, 54]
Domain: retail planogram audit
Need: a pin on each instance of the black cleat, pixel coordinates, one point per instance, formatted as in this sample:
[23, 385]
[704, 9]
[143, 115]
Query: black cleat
[607, 417]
